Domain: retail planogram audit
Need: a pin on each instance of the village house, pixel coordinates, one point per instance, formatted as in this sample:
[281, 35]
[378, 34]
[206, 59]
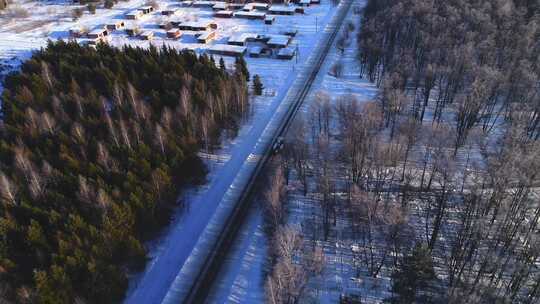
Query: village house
[93, 42]
[134, 15]
[98, 33]
[226, 50]
[115, 26]
[174, 34]
[204, 25]
[236, 6]
[223, 14]
[256, 52]
[291, 32]
[147, 35]
[77, 32]
[281, 10]
[240, 39]
[165, 25]
[169, 12]
[206, 37]
[175, 22]
[255, 6]
[220, 6]
[278, 41]
[146, 10]
[203, 3]
[286, 53]
[132, 30]
[250, 15]
[269, 19]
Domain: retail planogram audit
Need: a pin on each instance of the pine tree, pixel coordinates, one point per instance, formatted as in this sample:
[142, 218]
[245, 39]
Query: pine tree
[414, 274]
[222, 64]
[257, 85]
[241, 67]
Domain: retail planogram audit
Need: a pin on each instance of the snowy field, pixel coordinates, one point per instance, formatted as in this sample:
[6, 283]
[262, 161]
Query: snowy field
[242, 277]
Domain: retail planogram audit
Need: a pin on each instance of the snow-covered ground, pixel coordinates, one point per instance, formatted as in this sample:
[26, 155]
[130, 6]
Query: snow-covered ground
[241, 279]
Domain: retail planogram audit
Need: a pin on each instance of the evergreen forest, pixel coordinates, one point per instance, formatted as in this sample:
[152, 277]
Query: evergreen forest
[95, 146]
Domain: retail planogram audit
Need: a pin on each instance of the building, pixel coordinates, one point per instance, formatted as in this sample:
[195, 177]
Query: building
[147, 35]
[169, 12]
[223, 14]
[98, 33]
[235, 6]
[250, 15]
[260, 6]
[174, 34]
[203, 3]
[255, 6]
[186, 3]
[226, 50]
[132, 30]
[134, 15]
[204, 25]
[278, 41]
[291, 32]
[281, 10]
[146, 10]
[241, 39]
[220, 6]
[115, 26]
[269, 19]
[255, 51]
[206, 37]
[3, 4]
[175, 22]
[77, 32]
[93, 42]
[286, 53]
[165, 25]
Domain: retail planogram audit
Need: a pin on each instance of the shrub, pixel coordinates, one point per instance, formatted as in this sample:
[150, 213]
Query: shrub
[91, 8]
[77, 13]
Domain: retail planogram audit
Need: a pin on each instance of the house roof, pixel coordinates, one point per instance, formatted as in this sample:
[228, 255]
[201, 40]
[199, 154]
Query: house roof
[287, 52]
[282, 8]
[255, 50]
[241, 37]
[97, 31]
[198, 24]
[278, 39]
[206, 35]
[249, 14]
[227, 48]
[134, 13]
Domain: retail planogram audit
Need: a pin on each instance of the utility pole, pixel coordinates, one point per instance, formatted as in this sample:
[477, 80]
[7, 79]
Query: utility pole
[296, 51]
